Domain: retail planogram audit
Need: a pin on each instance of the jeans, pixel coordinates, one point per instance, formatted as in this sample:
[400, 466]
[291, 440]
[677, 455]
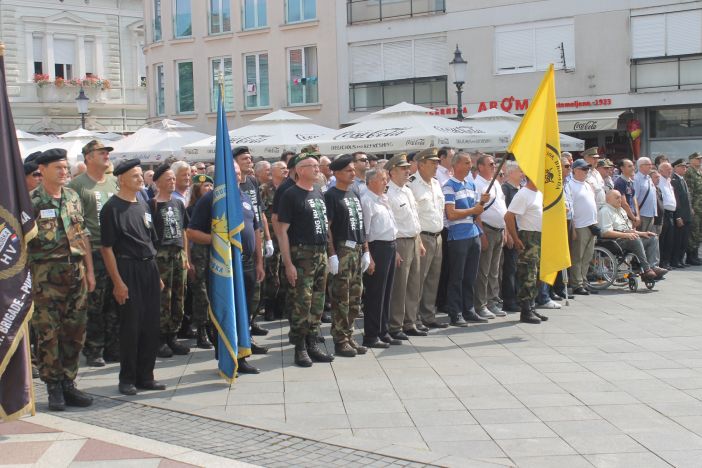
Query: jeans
[464, 257]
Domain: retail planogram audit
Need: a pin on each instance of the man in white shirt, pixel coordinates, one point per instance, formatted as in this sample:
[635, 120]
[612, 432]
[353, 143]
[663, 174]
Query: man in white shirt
[430, 210]
[584, 216]
[615, 224]
[492, 224]
[591, 157]
[405, 288]
[443, 172]
[669, 205]
[645, 192]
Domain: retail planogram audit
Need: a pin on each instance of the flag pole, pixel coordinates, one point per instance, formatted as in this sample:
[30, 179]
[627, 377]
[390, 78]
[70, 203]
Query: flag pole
[497, 172]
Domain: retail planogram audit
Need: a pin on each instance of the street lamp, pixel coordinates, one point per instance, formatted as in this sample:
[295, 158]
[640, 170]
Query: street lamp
[82, 104]
[459, 67]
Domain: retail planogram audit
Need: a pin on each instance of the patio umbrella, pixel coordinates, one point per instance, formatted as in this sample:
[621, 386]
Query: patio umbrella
[82, 133]
[266, 136]
[73, 148]
[407, 127]
[156, 142]
[28, 141]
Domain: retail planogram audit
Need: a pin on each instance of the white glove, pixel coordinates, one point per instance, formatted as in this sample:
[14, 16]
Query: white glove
[365, 261]
[333, 264]
[268, 249]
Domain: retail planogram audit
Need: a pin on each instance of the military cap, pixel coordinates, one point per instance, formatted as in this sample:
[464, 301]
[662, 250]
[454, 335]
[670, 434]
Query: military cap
[202, 179]
[160, 170]
[429, 154]
[126, 165]
[605, 163]
[52, 155]
[689, 158]
[32, 157]
[594, 152]
[399, 160]
[411, 156]
[680, 162]
[341, 162]
[580, 164]
[312, 150]
[240, 150]
[94, 145]
[301, 157]
[30, 167]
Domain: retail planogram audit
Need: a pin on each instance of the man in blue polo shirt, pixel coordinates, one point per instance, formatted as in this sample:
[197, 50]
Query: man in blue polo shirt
[462, 205]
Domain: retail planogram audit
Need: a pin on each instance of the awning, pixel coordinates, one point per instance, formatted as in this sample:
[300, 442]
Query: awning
[588, 121]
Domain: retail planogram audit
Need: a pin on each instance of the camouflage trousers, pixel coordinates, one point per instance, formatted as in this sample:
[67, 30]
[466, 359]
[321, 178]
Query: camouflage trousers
[346, 290]
[693, 243]
[528, 266]
[271, 283]
[60, 293]
[102, 329]
[197, 283]
[171, 262]
[305, 300]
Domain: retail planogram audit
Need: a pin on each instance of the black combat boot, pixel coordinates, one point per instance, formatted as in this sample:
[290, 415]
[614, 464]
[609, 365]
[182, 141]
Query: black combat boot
[203, 341]
[56, 400]
[75, 397]
[177, 348]
[163, 350]
[302, 359]
[527, 314]
[315, 352]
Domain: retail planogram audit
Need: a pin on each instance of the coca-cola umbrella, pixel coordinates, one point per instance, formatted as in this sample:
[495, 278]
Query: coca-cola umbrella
[408, 127]
[496, 120]
[266, 136]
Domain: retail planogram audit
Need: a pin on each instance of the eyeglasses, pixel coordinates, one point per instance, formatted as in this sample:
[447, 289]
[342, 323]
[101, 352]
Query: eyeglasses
[36, 175]
[567, 166]
[363, 160]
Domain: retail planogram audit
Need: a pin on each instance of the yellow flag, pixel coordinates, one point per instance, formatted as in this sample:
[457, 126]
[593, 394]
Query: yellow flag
[537, 148]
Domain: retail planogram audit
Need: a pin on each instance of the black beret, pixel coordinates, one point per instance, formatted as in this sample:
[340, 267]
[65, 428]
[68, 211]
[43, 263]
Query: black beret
[52, 155]
[341, 162]
[126, 165]
[160, 170]
[30, 167]
[32, 157]
[678, 162]
[240, 150]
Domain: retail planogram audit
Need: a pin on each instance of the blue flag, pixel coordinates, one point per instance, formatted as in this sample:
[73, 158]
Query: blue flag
[227, 295]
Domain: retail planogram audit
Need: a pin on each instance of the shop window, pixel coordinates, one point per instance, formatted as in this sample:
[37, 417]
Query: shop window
[681, 122]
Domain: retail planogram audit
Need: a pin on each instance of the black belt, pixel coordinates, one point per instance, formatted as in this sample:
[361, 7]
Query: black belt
[432, 234]
[493, 228]
[405, 238]
[136, 259]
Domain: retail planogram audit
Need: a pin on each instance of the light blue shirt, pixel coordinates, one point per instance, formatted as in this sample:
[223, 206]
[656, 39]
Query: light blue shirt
[647, 203]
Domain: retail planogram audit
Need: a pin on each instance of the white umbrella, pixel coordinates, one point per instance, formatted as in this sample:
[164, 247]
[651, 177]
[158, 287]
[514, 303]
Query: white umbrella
[406, 127]
[267, 136]
[73, 148]
[28, 141]
[157, 142]
[496, 120]
[81, 133]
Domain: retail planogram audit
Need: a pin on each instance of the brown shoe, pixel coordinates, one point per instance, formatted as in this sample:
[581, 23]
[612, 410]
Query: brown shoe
[344, 349]
[359, 349]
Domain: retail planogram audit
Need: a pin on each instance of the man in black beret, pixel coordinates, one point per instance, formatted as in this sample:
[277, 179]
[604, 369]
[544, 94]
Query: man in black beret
[347, 250]
[682, 215]
[128, 238]
[32, 174]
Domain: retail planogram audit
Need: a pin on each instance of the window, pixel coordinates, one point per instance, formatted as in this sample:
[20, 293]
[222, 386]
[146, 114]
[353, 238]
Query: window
[90, 57]
[185, 97]
[160, 91]
[220, 16]
[256, 85]
[666, 34]
[157, 21]
[683, 122]
[302, 76]
[38, 48]
[223, 66]
[255, 14]
[430, 91]
[533, 46]
[64, 58]
[359, 11]
[182, 21]
[300, 10]
[666, 73]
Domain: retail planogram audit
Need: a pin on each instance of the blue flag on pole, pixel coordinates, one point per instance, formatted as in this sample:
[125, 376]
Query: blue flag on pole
[227, 295]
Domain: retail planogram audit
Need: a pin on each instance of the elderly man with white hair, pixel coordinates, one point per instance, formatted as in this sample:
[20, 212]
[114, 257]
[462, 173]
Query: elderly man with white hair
[594, 179]
[645, 191]
[262, 171]
[181, 169]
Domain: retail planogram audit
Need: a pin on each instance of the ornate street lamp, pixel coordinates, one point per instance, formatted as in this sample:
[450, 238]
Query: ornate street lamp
[82, 103]
[459, 68]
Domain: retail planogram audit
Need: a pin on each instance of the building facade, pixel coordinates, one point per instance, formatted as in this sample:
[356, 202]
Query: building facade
[55, 47]
[629, 72]
[269, 55]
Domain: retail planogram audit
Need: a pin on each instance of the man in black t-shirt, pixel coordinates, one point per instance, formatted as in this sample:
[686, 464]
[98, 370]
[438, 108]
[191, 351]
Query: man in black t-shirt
[170, 220]
[348, 256]
[302, 236]
[128, 238]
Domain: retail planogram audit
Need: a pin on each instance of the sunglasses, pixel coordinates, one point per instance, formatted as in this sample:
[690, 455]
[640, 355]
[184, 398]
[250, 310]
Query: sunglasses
[36, 174]
[363, 160]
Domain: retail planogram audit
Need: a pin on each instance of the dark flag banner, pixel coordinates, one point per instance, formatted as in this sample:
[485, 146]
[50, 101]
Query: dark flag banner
[16, 229]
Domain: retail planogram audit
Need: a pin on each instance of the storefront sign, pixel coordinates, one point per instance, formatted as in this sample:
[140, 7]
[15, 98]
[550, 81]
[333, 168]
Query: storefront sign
[517, 105]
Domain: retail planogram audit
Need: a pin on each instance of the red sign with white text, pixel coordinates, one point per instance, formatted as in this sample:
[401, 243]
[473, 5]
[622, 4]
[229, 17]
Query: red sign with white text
[512, 104]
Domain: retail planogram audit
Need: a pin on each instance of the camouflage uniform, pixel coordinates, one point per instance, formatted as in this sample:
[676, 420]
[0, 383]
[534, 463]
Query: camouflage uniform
[694, 185]
[306, 300]
[59, 283]
[271, 284]
[200, 256]
[528, 266]
[346, 289]
[171, 263]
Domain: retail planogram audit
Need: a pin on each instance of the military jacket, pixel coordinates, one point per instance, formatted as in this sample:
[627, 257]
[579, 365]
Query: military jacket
[267, 193]
[694, 185]
[60, 225]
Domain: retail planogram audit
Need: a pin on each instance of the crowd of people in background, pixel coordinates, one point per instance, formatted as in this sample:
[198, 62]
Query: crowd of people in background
[121, 261]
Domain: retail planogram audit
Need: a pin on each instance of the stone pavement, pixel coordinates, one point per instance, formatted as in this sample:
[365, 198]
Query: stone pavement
[613, 380]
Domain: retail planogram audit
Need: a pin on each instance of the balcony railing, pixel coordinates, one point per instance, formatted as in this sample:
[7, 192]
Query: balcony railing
[365, 11]
[666, 73]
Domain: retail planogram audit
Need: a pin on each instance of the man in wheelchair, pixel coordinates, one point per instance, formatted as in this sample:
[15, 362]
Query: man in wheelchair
[614, 224]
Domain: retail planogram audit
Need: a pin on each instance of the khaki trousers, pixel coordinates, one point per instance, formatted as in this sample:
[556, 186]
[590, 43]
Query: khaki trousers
[582, 249]
[429, 272]
[487, 284]
[406, 287]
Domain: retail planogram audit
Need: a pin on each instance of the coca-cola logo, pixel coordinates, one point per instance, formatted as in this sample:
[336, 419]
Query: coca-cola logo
[368, 134]
[463, 130]
[248, 140]
[305, 137]
[585, 125]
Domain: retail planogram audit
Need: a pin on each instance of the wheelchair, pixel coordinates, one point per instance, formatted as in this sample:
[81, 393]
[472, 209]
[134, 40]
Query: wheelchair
[612, 265]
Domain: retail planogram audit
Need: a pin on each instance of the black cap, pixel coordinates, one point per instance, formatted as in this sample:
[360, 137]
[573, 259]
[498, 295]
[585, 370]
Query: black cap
[52, 155]
[126, 165]
[410, 157]
[240, 150]
[32, 157]
[679, 162]
[160, 170]
[30, 167]
[341, 162]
